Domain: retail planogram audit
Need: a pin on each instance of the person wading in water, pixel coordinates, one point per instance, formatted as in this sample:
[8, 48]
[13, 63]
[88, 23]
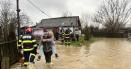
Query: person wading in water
[48, 43]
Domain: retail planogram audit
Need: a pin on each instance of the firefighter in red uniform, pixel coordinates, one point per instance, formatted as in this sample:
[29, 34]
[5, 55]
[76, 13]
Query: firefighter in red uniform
[28, 45]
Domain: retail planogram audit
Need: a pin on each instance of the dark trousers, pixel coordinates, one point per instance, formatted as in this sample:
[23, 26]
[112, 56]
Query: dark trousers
[48, 56]
[77, 37]
[28, 57]
[67, 41]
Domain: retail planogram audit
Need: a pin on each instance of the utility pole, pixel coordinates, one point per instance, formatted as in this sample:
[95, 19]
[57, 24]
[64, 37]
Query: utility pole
[18, 19]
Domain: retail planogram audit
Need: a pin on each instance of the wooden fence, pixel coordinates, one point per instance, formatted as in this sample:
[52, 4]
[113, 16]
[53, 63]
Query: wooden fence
[8, 54]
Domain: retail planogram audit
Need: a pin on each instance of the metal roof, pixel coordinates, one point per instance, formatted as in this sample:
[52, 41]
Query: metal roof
[60, 21]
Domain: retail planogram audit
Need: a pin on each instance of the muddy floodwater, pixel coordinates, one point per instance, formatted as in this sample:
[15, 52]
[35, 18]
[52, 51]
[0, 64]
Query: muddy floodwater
[102, 54]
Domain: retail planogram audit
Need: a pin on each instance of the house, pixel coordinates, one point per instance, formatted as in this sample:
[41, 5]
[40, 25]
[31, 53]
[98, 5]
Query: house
[56, 24]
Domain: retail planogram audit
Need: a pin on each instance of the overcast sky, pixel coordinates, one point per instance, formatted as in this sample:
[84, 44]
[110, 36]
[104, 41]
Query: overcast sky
[55, 8]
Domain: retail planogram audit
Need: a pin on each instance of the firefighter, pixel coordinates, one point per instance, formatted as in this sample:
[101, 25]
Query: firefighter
[67, 37]
[28, 46]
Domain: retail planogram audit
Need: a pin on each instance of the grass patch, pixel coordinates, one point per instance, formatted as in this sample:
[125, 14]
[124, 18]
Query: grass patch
[82, 42]
[90, 41]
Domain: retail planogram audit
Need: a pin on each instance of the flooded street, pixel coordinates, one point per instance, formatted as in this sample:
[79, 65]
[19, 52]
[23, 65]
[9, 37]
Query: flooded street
[102, 54]
[110, 54]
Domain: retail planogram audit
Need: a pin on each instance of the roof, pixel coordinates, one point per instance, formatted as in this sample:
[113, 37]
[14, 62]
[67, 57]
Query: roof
[60, 21]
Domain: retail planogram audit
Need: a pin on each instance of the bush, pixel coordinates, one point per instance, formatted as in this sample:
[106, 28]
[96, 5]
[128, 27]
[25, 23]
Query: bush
[87, 33]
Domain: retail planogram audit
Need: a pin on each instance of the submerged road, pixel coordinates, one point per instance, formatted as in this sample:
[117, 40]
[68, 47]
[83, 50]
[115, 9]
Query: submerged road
[103, 54]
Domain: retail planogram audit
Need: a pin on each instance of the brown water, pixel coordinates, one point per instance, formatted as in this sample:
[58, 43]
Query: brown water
[102, 54]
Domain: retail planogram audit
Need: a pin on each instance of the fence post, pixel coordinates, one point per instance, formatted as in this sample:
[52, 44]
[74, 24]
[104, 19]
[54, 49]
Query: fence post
[0, 60]
[5, 63]
[0, 65]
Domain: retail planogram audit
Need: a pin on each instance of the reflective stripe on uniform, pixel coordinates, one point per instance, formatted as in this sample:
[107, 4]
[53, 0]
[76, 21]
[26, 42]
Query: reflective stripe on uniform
[18, 45]
[67, 37]
[67, 42]
[35, 45]
[20, 40]
[33, 40]
[27, 41]
[32, 54]
[66, 34]
[26, 63]
[28, 49]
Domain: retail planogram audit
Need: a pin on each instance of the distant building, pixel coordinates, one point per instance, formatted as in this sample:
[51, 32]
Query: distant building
[126, 31]
[56, 24]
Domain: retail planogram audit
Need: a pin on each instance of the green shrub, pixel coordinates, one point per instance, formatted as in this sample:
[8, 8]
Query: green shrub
[87, 33]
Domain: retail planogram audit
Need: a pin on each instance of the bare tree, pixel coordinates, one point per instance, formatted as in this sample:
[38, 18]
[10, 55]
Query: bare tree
[114, 14]
[85, 19]
[6, 18]
[25, 20]
[66, 14]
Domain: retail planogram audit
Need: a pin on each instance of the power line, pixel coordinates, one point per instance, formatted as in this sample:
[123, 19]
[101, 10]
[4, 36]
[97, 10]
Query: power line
[38, 8]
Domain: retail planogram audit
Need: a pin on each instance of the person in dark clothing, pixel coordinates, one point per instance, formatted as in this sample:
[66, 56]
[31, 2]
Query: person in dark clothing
[77, 37]
[72, 36]
[48, 42]
[47, 49]
[77, 34]
[57, 35]
[48, 56]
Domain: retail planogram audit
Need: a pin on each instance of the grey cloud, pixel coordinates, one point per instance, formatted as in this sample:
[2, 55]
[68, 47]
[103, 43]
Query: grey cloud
[51, 7]
[56, 7]
[51, 4]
